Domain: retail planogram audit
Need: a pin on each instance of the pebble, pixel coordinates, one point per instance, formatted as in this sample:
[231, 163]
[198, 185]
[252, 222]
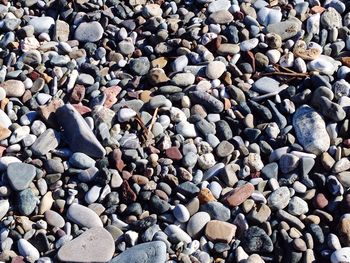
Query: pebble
[27, 250]
[340, 255]
[94, 245]
[266, 85]
[311, 130]
[89, 32]
[20, 175]
[154, 251]
[217, 231]
[215, 69]
[197, 223]
[13, 88]
[83, 216]
[79, 135]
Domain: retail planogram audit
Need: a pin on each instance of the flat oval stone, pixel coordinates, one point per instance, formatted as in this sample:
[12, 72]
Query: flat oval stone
[13, 88]
[42, 24]
[150, 252]
[94, 245]
[238, 195]
[20, 175]
[177, 234]
[197, 223]
[26, 249]
[83, 216]
[311, 130]
[266, 85]
[54, 219]
[89, 32]
[341, 255]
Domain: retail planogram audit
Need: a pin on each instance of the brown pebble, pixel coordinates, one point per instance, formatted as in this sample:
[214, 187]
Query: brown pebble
[238, 195]
[320, 201]
[173, 153]
[205, 196]
[219, 231]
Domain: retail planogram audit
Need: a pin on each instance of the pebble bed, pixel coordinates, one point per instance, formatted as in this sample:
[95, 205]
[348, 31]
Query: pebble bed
[204, 131]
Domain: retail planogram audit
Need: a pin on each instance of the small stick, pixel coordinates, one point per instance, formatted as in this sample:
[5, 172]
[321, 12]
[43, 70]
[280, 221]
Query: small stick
[153, 119]
[297, 75]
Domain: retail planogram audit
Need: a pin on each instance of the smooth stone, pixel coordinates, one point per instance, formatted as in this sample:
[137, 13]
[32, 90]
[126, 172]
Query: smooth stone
[216, 210]
[215, 69]
[42, 24]
[150, 252]
[249, 44]
[27, 250]
[89, 32]
[221, 17]
[54, 219]
[6, 160]
[186, 129]
[181, 213]
[210, 103]
[81, 161]
[94, 245]
[197, 223]
[26, 202]
[140, 66]
[267, 16]
[13, 88]
[218, 231]
[20, 175]
[279, 198]
[341, 255]
[311, 130]
[79, 136]
[46, 142]
[286, 29]
[219, 5]
[4, 120]
[297, 206]
[176, 234]
[266, 85]
[83, 216]
[4, 207]
[183, 79]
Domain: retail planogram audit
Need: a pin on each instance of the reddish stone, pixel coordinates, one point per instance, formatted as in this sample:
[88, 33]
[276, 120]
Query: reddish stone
[34, 75]
[127, 194]
[219, 231]
[126, 175]
[255, 174]
[238, 195]
[317, 9]
[320, 201]
[153, 149]
[111, 96]
[2, 149]
[173, 153]
[162, 195]
[27, 95]
[140, 179]
[77, 94]
[347, 142]
[117, 157]
[18, 259]
[81, 108]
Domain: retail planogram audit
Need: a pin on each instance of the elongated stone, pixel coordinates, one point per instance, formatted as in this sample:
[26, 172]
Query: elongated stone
[77, 133]
[311, 130]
